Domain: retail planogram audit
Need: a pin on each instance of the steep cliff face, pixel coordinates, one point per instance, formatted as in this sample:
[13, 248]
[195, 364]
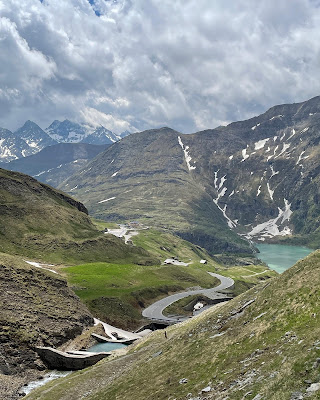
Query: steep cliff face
[37, 309]
[258, 178]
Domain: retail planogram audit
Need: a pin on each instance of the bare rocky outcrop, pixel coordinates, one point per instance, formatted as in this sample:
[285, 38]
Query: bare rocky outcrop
[37, 309]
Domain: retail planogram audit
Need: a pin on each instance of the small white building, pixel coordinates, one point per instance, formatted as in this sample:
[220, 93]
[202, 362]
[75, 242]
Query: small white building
[198, 306]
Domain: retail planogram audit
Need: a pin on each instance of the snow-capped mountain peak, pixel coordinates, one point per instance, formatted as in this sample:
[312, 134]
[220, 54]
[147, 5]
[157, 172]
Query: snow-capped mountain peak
[66, 131]
[30, 138]
[72, 132]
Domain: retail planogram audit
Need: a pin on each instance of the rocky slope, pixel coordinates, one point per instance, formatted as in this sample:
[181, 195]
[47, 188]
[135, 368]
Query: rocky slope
[264, 173]
[263, 344]
[258, 178]
[56, 163]
[37, 308]
[39, 221]
[35, 138]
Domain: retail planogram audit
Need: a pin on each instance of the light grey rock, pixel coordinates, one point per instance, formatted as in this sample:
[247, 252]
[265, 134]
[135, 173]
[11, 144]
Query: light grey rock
[313, 388]
[158, 353]
[296, 396]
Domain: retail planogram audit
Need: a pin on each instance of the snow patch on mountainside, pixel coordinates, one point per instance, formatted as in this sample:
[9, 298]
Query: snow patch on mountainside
[276, 116]
[244, 155]
[292, 134]
[270, 191]
[259, 190]
[285, 148]
[231, 224]
[103, 201]
[273, 171]
[222, 190]
[260, 144]
[272, 227]
[187, 157]
[6, 154]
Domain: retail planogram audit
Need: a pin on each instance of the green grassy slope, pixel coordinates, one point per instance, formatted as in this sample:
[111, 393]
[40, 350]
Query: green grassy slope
[164, 245]
[263, 344]
[117, 293]
[41, 222]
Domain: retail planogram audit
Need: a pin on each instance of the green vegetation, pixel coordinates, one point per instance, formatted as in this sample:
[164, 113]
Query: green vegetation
[101, 224]
[271, 348]
[164, 245]
[116, 293]
[40, 222]
[247, 276]
[186, 305]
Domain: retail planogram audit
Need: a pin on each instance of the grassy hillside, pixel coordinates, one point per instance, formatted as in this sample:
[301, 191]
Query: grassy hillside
[117, 293]
[263, 344]
[164, 245]
[40, 222]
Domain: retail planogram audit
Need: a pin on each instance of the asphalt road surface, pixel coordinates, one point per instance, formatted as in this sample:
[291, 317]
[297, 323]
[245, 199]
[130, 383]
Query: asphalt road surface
[155, 311]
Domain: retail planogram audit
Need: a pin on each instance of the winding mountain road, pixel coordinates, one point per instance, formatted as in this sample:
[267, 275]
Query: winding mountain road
[155, 311]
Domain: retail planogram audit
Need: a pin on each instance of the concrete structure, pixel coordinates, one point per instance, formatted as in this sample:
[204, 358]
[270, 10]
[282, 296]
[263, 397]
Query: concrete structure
[56, 359]
[104, 339]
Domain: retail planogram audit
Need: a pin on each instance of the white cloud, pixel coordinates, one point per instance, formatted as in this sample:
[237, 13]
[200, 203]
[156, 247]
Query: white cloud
[95, 118]
[143, 64]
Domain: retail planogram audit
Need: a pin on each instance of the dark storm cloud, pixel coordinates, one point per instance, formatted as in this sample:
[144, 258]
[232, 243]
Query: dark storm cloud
[142, 64]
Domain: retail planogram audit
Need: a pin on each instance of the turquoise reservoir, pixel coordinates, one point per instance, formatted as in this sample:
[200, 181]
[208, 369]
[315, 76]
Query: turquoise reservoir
[280, 257]
[105, 347]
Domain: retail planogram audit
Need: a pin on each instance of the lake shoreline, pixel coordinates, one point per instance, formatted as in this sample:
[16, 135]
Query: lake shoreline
[280, 257]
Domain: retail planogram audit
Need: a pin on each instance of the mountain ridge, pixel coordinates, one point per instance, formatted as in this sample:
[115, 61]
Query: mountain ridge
[260, 176]
[54, 164]
[30, 138]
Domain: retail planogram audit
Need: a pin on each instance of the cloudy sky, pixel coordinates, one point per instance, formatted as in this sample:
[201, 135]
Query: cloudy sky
[139, 64]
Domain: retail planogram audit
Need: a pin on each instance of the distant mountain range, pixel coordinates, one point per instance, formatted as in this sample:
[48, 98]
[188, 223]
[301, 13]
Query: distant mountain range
[54, 164]
[30, 138]
[257, 179]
